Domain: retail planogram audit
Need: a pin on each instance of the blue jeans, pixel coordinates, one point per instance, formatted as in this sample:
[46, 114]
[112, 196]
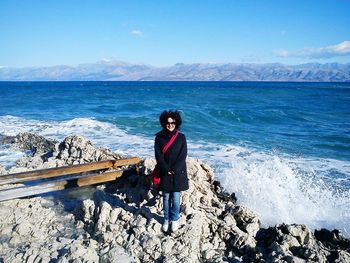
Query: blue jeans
[171, 206]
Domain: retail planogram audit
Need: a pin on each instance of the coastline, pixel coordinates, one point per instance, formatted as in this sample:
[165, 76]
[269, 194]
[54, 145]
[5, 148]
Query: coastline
[123, 219]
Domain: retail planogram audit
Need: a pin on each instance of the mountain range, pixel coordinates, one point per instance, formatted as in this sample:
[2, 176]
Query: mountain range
[110, 70]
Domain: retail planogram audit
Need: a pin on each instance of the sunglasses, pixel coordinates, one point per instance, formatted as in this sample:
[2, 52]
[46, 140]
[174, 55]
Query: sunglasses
[171, 122]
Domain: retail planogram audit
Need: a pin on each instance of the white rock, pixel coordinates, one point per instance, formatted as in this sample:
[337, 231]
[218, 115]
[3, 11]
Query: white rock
[118, 255]
[167, 246]
[302, 233]
[88, 208]
[247, 220]
[343, 257]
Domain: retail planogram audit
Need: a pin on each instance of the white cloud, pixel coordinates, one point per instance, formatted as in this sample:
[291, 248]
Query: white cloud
[341, 49]
[107, 60]
[282, 53]
[137, 32]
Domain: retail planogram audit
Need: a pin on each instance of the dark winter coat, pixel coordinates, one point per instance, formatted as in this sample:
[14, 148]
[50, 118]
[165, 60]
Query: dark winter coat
[174, 160]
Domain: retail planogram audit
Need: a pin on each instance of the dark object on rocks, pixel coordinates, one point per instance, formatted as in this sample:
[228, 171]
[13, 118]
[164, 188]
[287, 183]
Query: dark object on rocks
[4, 139]
[224, 196]
[332, 239]
[296, 243]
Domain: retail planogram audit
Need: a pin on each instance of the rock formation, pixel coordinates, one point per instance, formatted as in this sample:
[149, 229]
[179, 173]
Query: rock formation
[72, 150]
[121, 222]
[29, 142]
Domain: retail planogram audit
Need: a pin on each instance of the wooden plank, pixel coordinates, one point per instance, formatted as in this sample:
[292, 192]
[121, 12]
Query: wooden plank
[75, 181]
[53, 172]
[65, 170]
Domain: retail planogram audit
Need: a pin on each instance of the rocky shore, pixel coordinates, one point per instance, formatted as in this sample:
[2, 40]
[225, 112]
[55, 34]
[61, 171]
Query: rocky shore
[121, 221]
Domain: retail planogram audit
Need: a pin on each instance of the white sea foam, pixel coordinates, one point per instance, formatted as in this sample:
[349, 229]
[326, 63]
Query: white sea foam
[8, 156]
[280, 188]
[101, 133]
[280, 191]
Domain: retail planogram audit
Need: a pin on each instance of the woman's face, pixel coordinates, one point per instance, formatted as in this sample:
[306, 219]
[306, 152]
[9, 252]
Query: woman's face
[170, 125]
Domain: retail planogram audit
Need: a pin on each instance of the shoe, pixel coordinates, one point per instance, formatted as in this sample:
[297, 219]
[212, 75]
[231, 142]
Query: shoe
[165, 225]
[174, 225]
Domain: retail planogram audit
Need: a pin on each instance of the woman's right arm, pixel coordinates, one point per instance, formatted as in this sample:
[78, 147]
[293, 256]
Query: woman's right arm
[163, 166]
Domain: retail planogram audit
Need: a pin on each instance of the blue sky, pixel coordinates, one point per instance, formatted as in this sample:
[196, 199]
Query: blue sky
[161, 33]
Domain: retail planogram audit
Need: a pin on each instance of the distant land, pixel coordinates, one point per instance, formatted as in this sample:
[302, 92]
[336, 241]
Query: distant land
[121, 71]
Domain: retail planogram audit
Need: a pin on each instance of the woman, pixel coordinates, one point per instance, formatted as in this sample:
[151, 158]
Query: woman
[172, 166]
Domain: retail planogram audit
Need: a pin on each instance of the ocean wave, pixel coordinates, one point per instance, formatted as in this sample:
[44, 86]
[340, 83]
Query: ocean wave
[8, 157]
[101, 133]
[279, 187]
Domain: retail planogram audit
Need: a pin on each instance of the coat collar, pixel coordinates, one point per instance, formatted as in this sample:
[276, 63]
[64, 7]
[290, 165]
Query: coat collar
[166, 133]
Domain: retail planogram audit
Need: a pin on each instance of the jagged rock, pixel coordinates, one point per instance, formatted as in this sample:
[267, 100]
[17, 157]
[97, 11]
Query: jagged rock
[301, 233]
[87, 208]
[72, 150]
[291, 243]
[131, 216]
[30, 161]
[30, 142]
[77, 149]
[122, 222]
[79, 251]
[200, 194]
[247, 220]
[292, 259]
[147, 166]
[34, 225]
[222, 194]
[231, 234]
[342, 256]
[117, 255]
[332, 239]
[4, 139]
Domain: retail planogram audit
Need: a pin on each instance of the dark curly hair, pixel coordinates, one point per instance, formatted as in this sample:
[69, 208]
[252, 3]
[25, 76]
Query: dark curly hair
[163, 118]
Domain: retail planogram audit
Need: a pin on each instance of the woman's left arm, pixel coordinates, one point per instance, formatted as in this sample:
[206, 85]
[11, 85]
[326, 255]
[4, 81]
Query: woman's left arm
[181, 158]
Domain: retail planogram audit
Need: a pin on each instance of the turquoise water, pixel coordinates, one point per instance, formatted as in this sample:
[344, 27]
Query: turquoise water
[283, 148]
[300, 118]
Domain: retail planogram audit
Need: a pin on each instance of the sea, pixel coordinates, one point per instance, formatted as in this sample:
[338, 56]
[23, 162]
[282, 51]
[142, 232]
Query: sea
[282, 147]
